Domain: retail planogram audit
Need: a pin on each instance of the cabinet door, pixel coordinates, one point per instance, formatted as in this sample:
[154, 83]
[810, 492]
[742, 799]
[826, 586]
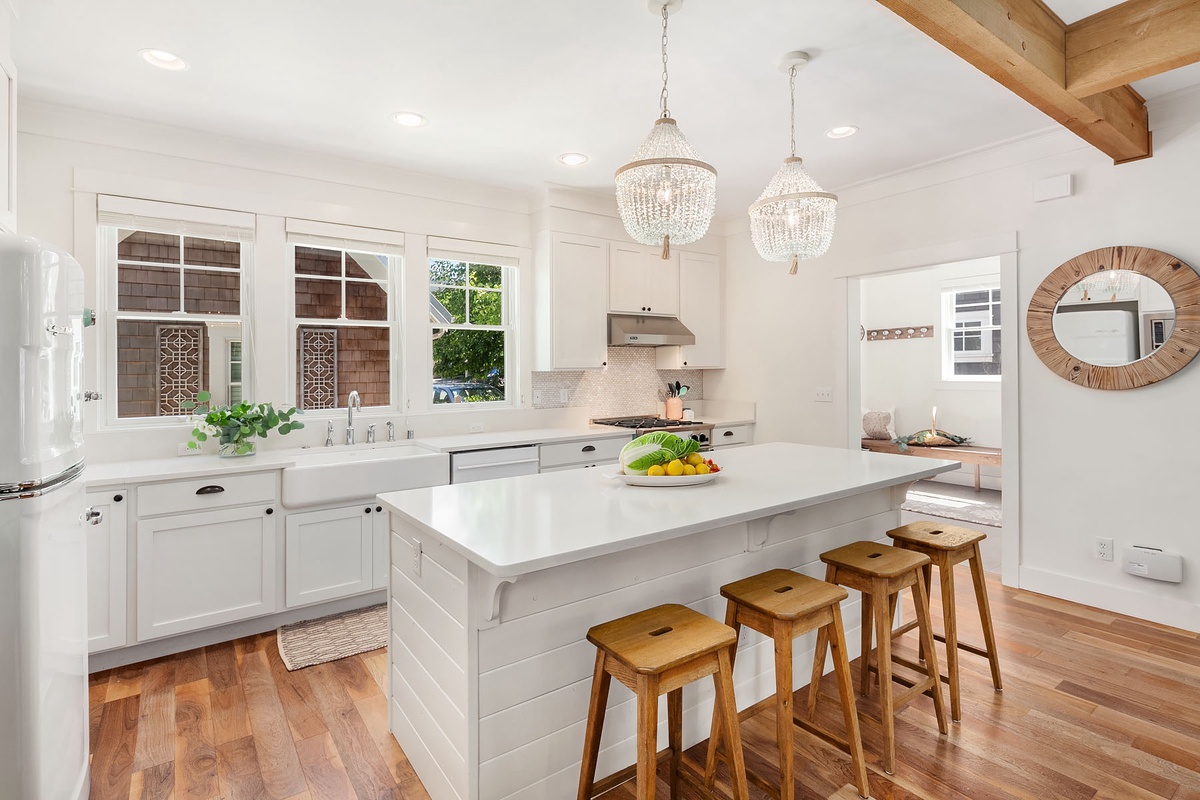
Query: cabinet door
[8, 142]
[380, 556]
[107, 582]
[640, 281]
[701, 309]
[204, 569]
[579, 294]
[329, 554]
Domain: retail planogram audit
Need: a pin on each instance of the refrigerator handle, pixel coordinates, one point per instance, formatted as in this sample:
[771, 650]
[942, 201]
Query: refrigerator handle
[91, 516]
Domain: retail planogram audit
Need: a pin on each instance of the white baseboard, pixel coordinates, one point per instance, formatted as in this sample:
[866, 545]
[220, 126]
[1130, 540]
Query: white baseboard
[1155, 608]
[966, 477]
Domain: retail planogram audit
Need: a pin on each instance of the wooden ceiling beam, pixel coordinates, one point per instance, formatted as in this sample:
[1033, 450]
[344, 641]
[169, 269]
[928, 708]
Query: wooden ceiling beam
[1022, 45]
[1131, 41]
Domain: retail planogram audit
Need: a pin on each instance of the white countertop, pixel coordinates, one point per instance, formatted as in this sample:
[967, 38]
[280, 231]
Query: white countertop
[518, 438]
[512, 526]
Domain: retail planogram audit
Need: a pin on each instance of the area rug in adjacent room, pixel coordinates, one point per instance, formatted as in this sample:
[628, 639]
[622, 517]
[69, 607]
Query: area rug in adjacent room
[926, 497]
[316, 641]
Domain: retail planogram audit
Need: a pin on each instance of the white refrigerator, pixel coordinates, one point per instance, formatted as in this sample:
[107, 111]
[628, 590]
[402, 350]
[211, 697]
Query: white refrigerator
[43, 592]
[1106, 338]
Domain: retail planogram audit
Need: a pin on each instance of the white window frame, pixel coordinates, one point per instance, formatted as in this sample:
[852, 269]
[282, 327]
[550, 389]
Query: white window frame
[347, 239]
[950, 291]
[122, 213]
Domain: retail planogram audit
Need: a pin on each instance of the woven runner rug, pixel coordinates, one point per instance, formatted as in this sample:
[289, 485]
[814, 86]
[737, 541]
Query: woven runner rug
[317, 641]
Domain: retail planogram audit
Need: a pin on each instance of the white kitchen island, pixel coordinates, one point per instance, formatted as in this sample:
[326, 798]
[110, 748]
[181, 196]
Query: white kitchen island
[495, 584]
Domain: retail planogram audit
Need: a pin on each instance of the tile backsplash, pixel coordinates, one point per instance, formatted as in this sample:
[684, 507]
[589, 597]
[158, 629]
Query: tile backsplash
[627, 386]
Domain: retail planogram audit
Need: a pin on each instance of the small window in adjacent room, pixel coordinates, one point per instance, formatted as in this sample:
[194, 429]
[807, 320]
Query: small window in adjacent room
[471, 331]
[971, 334]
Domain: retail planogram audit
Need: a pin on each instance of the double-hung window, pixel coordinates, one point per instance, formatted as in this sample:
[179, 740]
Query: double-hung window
[971, 339]
[344, 314]
[472, 332]
[175, 303]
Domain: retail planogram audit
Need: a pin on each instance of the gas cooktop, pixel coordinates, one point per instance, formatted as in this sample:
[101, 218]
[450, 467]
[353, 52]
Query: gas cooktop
[646, 423]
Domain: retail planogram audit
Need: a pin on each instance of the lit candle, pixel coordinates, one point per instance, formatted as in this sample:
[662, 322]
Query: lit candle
[934, 423]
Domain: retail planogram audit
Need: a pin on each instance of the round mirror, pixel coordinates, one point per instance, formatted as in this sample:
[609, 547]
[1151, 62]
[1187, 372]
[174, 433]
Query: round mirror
[1114, 317]
[1117, 318]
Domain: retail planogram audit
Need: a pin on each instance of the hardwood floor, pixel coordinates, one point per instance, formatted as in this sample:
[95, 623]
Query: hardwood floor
[1096, 706]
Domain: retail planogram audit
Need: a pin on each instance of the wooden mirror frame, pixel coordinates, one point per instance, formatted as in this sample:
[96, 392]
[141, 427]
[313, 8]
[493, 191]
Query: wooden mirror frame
[1177, 277]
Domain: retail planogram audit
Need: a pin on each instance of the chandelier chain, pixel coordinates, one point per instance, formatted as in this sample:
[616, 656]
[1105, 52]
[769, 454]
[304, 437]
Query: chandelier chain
[792, 85]
[662, 101]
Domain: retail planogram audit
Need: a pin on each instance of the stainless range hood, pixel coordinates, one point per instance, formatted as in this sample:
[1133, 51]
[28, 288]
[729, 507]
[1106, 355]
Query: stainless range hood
[625, 329]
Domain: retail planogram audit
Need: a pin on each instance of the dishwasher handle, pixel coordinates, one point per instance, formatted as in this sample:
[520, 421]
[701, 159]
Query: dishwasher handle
[465, 467]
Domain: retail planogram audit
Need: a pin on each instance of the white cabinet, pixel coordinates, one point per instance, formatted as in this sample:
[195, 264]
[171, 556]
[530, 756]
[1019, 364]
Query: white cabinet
[197, 570]
[8, 128]
[701, 310]
[582, 454]
[732, 436]
[382, 535]
[571, 286]
[640, 281]
[107, 586]
[331, 553]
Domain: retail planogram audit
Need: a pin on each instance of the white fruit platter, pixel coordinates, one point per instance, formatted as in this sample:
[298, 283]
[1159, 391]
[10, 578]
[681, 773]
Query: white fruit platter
[666, 480]
[660, 451]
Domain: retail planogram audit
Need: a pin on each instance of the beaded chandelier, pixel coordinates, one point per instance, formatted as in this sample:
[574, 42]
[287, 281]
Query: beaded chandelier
[794, 217]
[666, 193]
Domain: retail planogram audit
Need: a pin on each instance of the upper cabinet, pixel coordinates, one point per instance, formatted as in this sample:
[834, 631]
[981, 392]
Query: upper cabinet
[8, 126]
[640, 281]
[701, 311]
[571, 275]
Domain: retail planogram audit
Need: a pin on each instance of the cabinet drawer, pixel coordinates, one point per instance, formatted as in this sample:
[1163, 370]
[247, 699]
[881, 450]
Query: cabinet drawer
[593, 451]
[219, 491]
[731, 434]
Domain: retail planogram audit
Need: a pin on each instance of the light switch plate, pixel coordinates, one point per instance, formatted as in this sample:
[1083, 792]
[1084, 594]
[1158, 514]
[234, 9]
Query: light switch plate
[537, 397]
[823, 394]
[475, 427]
[562, 396]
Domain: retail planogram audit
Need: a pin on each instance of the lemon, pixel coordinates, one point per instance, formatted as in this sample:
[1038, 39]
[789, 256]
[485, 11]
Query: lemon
[688, 469]
[675, 467]
[702, 469]
[695, 459]
[657, 471]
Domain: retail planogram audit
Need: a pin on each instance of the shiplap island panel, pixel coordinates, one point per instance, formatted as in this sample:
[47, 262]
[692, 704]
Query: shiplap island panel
[494, 585]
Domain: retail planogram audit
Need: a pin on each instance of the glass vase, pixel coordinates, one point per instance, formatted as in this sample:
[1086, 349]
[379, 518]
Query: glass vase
[231, 450]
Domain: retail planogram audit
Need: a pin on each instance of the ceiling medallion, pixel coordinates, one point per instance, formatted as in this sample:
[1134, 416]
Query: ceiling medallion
[794, 217]
[666, 193]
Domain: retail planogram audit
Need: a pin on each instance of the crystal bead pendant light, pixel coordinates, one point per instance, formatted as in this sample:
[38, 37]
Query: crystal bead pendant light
[794, 217]
[666, 194]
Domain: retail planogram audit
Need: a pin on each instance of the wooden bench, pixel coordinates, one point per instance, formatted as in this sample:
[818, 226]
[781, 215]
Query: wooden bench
[966, 453]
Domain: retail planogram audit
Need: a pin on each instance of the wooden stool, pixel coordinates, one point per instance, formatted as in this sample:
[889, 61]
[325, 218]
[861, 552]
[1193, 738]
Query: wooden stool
[784, 605]
[947, 545]
[881, 573]
[657, 652]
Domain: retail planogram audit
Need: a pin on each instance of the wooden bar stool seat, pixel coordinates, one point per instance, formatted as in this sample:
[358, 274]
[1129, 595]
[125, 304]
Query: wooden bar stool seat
[657, 652]
[881, 573]
[947, 545]
[783, 605]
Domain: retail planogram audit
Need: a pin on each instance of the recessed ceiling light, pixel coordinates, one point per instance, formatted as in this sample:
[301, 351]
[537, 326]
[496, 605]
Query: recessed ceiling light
[573, 159]
[409, 119]
[163, 59]
[841, 131]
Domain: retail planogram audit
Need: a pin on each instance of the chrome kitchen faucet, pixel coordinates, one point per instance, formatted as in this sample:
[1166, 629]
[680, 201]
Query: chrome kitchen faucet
[352, 402]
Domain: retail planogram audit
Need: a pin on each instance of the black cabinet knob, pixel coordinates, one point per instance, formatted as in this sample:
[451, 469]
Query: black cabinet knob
[270, 511]
[118, 498]
[379, 509]
[367, 510]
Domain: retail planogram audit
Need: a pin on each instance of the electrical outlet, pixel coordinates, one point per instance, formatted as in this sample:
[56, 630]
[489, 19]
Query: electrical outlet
[537, 397]
[475, 427]
[563, 396]
[184, 450]
[1103, 549]
[416, 558]
[823, 395]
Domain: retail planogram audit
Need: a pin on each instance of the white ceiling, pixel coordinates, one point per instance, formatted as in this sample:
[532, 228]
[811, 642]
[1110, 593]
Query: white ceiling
[509, 85]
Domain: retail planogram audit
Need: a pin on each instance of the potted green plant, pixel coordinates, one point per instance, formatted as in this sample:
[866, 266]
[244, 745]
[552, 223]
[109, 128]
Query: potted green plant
[237, 426]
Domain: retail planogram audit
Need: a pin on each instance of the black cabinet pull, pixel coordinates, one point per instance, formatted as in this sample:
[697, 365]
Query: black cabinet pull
[379, 509]
[367, 509]
[118, 498]
[589, 448]
[210, 490]
[727, 433]
[270, 511]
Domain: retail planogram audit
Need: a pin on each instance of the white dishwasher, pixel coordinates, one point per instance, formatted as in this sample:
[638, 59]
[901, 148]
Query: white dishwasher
[501, 462]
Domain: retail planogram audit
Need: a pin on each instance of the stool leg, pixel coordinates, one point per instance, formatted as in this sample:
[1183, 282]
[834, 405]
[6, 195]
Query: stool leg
[595, 725]
[928, 570]
[647, 736]
[841, 668]
[868, 620]
[714, 736]
[950, 622]
[883, 663]
[921, 601]
[818, 670]
[675, 736]
[723, 678]
[985, 615]
[782, 635]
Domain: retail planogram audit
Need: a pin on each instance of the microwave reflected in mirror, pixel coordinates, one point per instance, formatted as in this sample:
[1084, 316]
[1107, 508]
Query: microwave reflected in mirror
[1114, 317]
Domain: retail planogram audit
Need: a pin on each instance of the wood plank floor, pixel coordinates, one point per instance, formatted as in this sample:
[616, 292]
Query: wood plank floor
[1096, 706]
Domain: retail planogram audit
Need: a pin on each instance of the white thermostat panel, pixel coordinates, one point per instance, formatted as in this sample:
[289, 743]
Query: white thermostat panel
[1150, 562]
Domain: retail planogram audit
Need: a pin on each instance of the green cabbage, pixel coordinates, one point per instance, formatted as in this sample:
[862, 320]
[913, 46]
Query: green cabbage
[654, 448]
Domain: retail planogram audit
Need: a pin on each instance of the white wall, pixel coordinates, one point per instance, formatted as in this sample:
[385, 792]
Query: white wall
[1092, 463]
